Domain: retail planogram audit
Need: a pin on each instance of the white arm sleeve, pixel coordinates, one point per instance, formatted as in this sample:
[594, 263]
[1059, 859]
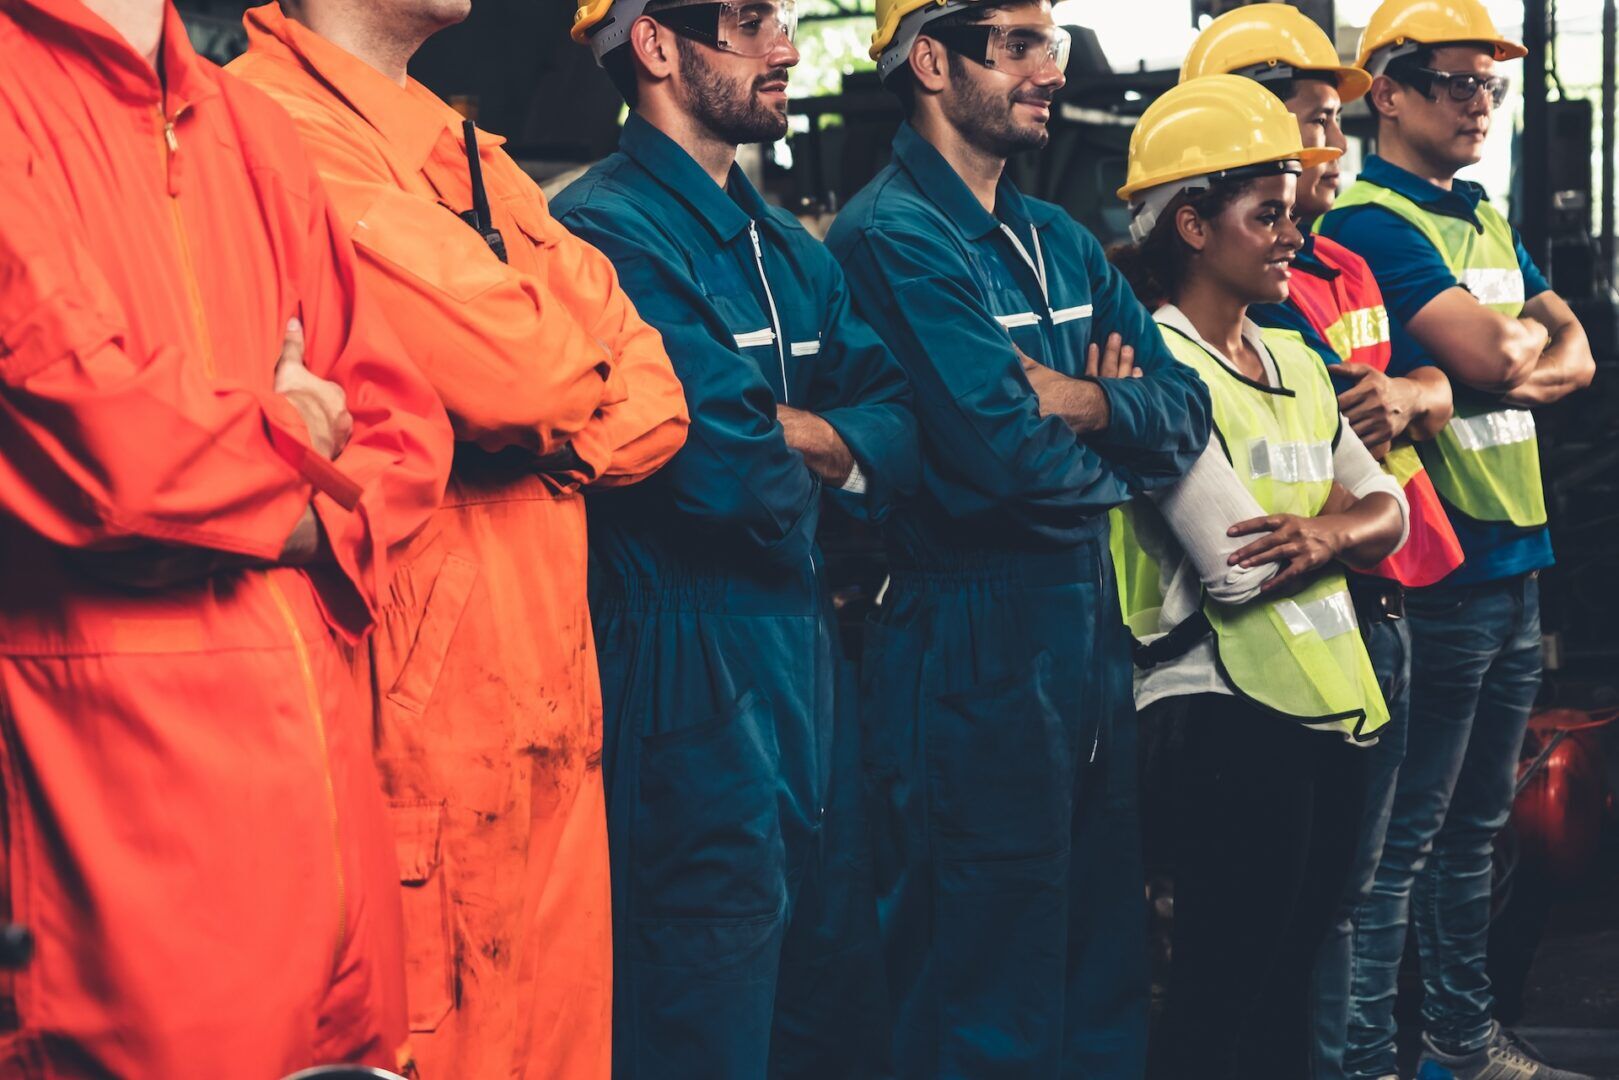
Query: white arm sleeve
[1354, 467]
[1199, 509]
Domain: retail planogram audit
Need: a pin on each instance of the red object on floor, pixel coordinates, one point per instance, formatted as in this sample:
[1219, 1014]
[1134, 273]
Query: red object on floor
[1560, 811]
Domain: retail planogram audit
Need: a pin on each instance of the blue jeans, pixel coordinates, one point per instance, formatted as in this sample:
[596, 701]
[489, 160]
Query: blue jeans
[1389, 644]
[1475, 670]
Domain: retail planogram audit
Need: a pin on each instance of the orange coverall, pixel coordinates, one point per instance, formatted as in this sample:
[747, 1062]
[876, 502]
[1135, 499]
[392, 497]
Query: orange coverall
[192, 825]
[484, 669]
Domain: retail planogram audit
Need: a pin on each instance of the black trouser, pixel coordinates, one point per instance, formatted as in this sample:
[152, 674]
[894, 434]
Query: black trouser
[1263, 816]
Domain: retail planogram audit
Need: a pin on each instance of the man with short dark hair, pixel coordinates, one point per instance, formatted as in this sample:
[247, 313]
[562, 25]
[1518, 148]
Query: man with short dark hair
[1000, 722]
[1461, 290]
[745, 929]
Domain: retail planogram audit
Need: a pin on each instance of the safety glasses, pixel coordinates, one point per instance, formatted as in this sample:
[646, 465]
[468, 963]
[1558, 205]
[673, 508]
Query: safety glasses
[746, 28]
[1016, 50]
[1463, 86]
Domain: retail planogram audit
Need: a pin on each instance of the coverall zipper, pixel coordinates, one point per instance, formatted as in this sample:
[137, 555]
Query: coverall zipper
[781, 358]
[312, 690]
[775, 320]
[170, 151]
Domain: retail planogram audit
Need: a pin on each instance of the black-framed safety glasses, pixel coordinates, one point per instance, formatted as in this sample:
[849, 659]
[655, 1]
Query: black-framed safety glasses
[751, 28]
[1461, 86]
[1016, 50]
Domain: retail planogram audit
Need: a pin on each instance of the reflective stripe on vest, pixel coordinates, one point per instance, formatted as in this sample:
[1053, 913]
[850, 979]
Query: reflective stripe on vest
[1294, 656]
[1479, 463]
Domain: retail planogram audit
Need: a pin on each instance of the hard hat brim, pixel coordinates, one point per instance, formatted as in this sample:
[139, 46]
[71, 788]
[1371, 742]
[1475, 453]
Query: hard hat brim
[1505, 48]
[1353, 83]
[1308, 158]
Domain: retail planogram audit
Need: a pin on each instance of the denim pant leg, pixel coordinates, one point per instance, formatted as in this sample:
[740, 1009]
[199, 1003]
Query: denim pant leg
[1457, 635]
[1389, 644]
[1451, 901]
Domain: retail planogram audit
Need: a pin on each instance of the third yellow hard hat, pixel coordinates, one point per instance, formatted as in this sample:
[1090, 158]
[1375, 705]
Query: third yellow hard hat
[1210, 125]
[1270, 41]
[1405, 25]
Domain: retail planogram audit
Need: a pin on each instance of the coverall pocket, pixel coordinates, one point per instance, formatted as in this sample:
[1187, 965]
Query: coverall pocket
[413, 687]
[708, 845]
[429, 942]
[1001, 766]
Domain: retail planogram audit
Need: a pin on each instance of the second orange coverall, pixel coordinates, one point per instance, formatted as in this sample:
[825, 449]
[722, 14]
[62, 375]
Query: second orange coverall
[191, 822]
[484, 669]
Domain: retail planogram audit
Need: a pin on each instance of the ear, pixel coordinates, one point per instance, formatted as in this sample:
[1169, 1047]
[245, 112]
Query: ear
[1383, 96]
[929, 64]
[1191, 228]
[654, 48]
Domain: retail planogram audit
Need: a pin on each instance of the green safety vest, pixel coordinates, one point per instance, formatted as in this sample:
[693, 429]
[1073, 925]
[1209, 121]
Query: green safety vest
[1299, 656]
[1486, 462]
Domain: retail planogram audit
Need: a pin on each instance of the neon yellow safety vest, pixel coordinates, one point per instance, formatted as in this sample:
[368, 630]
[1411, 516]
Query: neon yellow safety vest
[1486, 462]
[1300, 656]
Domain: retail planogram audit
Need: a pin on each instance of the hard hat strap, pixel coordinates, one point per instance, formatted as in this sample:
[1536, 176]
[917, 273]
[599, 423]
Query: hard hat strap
[910, 27]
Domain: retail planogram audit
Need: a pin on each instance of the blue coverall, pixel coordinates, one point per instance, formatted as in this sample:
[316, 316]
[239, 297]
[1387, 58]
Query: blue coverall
[996, 697]
[744, 921]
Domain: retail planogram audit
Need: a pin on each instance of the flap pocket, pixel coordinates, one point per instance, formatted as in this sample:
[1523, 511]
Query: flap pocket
[413, 687]
[429, 943]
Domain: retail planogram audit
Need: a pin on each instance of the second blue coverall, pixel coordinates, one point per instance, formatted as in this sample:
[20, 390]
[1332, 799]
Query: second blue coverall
[1000, 738]
[744, 923]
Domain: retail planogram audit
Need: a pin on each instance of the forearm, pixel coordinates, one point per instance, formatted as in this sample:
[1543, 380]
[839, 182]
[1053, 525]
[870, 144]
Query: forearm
[1079, 403]
[1432, 406]
[1566, 365]
[1199, 509]
[823, 449]
[1367, 532]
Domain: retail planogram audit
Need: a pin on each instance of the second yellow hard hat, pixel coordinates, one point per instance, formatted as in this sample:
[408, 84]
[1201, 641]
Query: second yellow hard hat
[1270, 41]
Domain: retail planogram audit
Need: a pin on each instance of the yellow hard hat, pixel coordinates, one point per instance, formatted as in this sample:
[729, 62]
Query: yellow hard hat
[592, 25]
[1205, 129]
[1270, 41]
[1400, 26]
[889, 46]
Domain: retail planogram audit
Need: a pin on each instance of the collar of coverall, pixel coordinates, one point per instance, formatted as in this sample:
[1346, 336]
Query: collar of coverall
[1460, 201]
[125, 71]
[725, 211]
[410, 118]
[939, 182]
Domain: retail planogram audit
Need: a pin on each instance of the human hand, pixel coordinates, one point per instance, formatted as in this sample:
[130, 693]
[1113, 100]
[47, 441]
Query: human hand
[1377, 407]
[1302, 543]
[1112, 360]
[320, 402]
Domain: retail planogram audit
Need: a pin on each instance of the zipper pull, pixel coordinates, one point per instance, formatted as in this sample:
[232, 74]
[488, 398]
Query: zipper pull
[170, 137]
[753, 233]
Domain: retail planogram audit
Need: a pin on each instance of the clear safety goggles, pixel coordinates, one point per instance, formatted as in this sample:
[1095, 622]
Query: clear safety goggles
[1462, 85]
[1016, 50]
[743, 27]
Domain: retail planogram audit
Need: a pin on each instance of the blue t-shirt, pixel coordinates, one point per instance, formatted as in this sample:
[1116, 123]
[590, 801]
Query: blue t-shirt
[1411, 272]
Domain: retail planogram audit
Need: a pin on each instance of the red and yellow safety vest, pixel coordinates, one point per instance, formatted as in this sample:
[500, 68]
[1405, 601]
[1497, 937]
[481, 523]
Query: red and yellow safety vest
[1345, 307]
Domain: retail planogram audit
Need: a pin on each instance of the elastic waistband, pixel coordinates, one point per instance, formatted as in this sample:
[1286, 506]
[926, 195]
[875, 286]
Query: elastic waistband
[1082, 562]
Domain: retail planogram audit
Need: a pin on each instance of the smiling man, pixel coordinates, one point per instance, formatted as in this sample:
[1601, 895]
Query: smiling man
[744, 926]
[1463, 294]
[1000, 726]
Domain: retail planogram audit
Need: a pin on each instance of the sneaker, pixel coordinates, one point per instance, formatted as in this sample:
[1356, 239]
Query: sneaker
[1505, 1057]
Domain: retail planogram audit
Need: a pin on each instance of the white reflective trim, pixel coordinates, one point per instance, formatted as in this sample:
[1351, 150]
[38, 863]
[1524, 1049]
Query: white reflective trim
[1022, 318]
[806, 348]
[1501, 428]
[1291, 462]
[1494, 286]
[754, 338]
[1329, 616]
[856, 483]
[1069, 314]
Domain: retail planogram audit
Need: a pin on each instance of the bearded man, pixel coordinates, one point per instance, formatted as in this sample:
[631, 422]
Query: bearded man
[998, 676]
[744, 925]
